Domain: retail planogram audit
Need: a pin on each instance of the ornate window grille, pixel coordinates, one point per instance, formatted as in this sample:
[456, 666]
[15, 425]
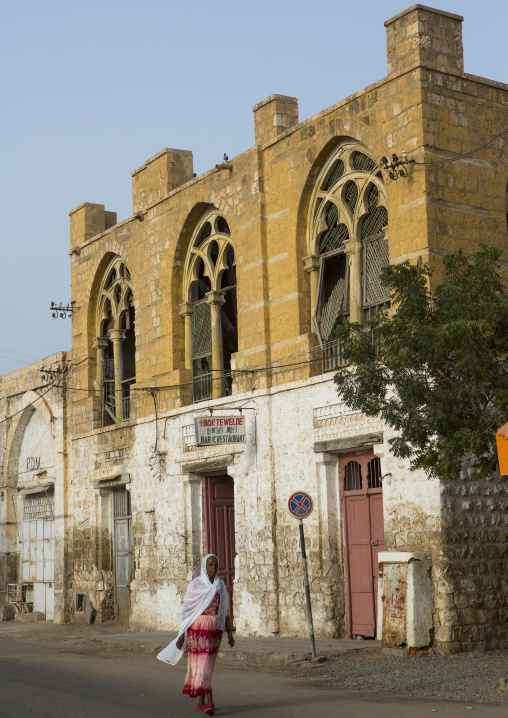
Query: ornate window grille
[348, 220]
[115, 343]
[210, 289]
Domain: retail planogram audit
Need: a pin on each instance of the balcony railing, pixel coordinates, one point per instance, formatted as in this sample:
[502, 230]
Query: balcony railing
[109, 413]
[333, 355]
[202, 387]
[126, 408]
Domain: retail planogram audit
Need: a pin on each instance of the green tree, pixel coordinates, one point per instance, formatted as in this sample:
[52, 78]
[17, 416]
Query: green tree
[436, 370]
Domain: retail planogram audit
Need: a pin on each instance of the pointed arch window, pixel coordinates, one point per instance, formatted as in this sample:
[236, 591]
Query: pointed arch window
[347, 240]
[115, 343]
[210, 308]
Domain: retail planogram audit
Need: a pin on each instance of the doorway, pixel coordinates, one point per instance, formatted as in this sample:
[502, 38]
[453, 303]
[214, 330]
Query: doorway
[38, 551]
[219, 500]
[362, 492]
[122, 552]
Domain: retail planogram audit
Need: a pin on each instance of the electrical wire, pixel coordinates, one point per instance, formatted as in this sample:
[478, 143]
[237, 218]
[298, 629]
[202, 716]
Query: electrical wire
[228, 375]
[20, 354]
[466, 154]
[26, 407]
[20, 361]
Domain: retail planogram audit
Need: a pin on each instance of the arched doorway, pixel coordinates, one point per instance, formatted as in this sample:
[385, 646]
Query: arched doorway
[362, 493]
[33, 479]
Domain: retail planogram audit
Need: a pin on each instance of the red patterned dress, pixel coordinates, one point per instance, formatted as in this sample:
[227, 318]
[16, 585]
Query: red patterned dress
[203, 643]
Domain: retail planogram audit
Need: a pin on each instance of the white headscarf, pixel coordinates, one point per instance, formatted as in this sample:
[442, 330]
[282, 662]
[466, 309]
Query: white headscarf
[200, 594]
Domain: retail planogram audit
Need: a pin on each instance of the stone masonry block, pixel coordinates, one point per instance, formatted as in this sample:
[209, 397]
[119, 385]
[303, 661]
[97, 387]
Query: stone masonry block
[273, 116]
[160, 174]
[421, 35]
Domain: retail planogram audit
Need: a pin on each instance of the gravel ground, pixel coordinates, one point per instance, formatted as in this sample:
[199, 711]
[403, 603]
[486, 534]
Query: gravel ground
[471, 677]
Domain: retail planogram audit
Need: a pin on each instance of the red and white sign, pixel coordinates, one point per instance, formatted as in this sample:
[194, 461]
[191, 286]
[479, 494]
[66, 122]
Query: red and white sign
[300, 505]
[211, 430]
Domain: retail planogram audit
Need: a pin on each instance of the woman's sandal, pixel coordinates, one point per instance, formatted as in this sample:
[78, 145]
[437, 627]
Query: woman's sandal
[202, 708]
[210, 709]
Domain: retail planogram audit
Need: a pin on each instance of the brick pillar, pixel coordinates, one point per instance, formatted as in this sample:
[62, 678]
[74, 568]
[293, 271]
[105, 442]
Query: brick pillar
[423, 36]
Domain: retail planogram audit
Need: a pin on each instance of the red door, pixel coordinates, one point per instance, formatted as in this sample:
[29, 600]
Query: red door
[220, 527]
[364, 535]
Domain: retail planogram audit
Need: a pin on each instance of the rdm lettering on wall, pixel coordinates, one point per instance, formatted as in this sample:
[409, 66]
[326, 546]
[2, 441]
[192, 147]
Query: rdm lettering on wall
[33, 463]
[220, 430]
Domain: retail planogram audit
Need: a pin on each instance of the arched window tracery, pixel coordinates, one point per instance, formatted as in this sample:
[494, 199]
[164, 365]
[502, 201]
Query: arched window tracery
[115, 343]
[209, 308]
[347, 240]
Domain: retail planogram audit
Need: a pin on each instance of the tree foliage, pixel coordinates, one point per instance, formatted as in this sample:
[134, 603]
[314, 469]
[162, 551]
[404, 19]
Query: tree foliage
[436, 370]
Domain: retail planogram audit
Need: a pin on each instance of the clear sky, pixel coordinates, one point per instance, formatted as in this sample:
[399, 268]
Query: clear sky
[90, 90]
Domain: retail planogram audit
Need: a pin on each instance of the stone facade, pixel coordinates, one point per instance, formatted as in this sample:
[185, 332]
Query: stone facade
[269, 200]
[34, 458]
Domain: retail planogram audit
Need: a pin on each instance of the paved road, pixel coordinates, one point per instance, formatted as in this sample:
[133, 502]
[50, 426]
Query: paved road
[41, 681]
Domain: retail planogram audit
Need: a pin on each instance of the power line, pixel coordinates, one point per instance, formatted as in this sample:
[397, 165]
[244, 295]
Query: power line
[466, 154]
[26, 407]
[20, 361]
[228, 375]
[20, 354]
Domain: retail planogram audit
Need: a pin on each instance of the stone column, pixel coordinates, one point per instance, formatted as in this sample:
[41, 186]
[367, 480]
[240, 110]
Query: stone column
[216, 300]
[353, 250]
[117, 336]
[186, 309]
[100, 344]
[311, 265]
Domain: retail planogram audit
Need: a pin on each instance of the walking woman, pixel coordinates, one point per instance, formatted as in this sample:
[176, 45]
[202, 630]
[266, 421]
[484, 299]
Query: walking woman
[204, 618]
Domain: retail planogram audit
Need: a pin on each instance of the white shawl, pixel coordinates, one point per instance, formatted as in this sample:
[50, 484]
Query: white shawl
[199, 596]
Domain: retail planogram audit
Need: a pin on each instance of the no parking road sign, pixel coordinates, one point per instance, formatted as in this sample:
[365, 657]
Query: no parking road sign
[300, 505]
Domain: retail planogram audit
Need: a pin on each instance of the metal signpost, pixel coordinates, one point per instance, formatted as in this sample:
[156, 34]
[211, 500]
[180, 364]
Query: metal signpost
[300, 506]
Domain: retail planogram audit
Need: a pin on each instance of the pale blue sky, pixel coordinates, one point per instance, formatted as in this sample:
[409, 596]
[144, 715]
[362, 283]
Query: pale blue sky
[90, 90]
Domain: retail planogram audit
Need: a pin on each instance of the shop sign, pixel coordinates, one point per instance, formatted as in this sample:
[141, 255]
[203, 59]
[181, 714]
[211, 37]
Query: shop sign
[220, 430]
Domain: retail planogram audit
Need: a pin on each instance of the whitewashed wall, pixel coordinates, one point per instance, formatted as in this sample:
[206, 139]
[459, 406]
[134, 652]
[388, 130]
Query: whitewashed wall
[283, 427]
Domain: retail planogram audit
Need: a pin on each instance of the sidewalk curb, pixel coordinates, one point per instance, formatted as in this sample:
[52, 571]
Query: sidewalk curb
[267, 653]
[228, 656]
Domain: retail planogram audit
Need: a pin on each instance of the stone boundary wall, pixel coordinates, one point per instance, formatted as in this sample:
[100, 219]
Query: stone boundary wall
[470, 570]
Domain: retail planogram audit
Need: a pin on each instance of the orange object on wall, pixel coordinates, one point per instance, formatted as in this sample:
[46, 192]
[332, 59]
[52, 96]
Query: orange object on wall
[502, 449]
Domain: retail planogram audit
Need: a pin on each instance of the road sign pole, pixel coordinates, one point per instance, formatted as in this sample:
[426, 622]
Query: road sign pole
[307, 590]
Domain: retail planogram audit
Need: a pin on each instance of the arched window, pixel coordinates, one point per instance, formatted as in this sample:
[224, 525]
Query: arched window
[209, 308]
[347, 240]
[115, 343]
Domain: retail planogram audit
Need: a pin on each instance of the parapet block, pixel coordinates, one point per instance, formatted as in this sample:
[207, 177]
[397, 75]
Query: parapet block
[274, 116]
[160, 174]
[88, 220]
[423, 36]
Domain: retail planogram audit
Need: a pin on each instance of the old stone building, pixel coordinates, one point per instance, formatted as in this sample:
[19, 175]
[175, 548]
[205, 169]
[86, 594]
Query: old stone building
[219, 297]
[34, 525]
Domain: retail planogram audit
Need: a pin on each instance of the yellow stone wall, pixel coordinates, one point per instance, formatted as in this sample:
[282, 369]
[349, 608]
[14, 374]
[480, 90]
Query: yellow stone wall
[426, 106]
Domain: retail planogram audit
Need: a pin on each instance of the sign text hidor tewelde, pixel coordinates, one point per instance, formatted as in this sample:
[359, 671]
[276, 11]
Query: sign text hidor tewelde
[220, 430]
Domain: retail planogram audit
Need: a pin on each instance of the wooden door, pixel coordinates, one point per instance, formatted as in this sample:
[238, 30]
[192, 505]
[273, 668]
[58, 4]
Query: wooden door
[219, 499]
[364, 536]
[122, 552]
